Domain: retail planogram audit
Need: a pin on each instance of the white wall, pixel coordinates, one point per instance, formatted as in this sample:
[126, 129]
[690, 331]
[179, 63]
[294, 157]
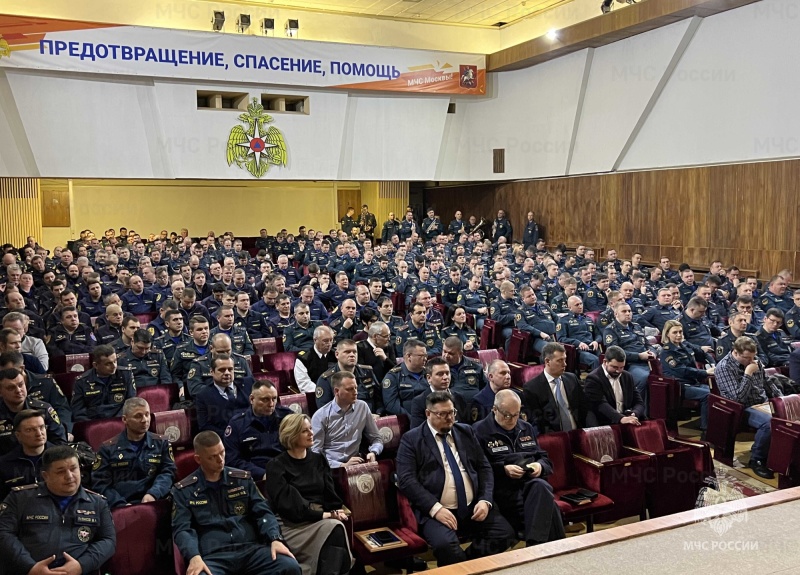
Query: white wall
[721, 89]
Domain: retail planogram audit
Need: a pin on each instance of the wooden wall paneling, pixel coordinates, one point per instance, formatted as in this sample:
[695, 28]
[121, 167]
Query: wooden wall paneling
[55, 203]
[20, 210]
[348, 197]
[781, 178]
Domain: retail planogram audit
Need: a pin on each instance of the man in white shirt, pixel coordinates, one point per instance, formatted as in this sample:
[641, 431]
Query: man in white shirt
[311, 364]
[612, 392]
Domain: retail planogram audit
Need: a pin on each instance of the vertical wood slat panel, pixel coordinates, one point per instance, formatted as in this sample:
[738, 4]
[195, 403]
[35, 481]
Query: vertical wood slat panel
[744, 214]
[20, 210]
[392, 197]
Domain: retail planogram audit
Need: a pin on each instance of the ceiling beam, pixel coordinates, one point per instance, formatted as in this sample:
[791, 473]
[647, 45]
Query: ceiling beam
[606, 29]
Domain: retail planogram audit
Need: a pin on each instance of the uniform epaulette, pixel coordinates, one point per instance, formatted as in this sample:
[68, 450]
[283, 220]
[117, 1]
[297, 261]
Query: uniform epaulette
[473, 361]
[239, 474]
[24, 487]
[112, 441]
[159, 436]
[239, 415]
[403, 327]
[329, 373]
[94, 493]
[396, 369]
[362, 366]
[186, 482]
[301, 353]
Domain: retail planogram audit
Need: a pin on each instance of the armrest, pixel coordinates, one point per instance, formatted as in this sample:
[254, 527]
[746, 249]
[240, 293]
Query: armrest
[587, 460]
[639, 451]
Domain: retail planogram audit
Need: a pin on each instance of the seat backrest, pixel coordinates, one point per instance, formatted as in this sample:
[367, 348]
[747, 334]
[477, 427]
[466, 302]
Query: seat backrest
[159, 397]
[488, 334]
[96, 431]
[651, 435]
[523, 374]
[487, 356]
[517, 347]
[786, 407]
[144, 540]
[75, 362]
[559, 452]
[66, 382]
[297, 402]
[145, 318]
[364, 488]
[175, 425]
[392, 428]
[281, 361]
[593, 315]
[599, 443]
[265, 346]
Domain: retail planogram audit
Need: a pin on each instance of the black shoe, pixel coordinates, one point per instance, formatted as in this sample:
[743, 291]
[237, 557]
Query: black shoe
[410, 564]
[760, 468]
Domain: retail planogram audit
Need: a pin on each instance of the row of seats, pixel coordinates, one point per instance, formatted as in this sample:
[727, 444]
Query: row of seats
[635, 471]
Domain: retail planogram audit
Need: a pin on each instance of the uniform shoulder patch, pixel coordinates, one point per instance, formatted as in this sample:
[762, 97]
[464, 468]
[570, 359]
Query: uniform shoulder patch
[24, 487]
[301, 353]
[239, 474]
[186, 482]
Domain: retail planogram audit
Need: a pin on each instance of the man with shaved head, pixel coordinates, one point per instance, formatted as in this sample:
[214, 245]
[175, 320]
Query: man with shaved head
[577, 330]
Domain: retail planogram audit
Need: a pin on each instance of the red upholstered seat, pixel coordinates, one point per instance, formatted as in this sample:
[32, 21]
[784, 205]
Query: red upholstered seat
[145, 318]
[76, 362]
[144, 537]
[96, 431]
[297, 402]
[725, 420]
[606, 466]
[159, 397]
[524, 373]
[177, 427]
[564, 480]
[487, 356]
[391, 428]
[490, 335]
[786, 407]
[282, 363]
[518, 346]
[66, 382]
[369, 492]
[265, 346]
[784, 449]
[681, 467]
[399, 304]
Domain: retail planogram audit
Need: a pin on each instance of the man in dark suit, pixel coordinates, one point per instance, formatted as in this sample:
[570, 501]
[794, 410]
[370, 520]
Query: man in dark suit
[554, 399]
[437, 373]
[218, 403]
[612, 393]
[520, 466]
[442, 470]
[377, 350]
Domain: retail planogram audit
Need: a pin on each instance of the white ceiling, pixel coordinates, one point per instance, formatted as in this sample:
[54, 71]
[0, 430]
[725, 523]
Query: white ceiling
[469, 12]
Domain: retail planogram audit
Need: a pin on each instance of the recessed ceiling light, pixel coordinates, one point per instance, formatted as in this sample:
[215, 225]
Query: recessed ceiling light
[552, 35]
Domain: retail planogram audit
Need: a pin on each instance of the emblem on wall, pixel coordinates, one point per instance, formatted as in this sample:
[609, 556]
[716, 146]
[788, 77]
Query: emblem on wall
[5, 50]
[256, 147]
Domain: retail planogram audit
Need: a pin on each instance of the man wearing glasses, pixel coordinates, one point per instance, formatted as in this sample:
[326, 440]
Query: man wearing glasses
[449, 482]
[520, 466]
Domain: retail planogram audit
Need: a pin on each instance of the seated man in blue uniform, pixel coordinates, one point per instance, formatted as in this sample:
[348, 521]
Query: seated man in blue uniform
[221, 523]
[56, 526]
[136, 466]
[251, 438]
[520, 466]
[443, 471]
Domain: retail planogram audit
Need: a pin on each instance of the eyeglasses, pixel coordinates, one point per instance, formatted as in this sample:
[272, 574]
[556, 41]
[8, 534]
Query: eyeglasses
[507, 416]
[444, 414]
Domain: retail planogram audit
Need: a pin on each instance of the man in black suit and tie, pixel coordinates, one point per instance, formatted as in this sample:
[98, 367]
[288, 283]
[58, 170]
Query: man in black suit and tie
[217, 403]
[443, 471]
[437, 372]
[612, 392]
[554, 399]
[377, 350]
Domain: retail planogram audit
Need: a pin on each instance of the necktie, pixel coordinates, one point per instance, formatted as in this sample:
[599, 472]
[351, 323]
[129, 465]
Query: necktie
[458, 479]
[229, 394]
[563, 411]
